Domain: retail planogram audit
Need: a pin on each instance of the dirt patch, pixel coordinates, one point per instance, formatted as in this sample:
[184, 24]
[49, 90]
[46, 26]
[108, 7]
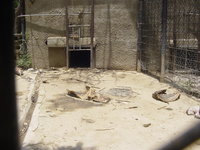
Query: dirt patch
[63, 103]
[128, 121]
[122, 92]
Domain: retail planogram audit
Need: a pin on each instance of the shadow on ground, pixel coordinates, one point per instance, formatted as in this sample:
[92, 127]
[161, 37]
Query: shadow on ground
[64, 104]
[39, 146]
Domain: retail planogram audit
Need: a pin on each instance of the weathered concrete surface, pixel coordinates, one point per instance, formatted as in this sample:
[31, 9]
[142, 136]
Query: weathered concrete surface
[56, 41]
[114, 26]
[131, 120]
[116, 34]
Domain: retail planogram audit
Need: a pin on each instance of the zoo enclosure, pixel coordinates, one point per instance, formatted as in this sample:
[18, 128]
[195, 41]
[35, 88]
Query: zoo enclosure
[169, 42]
[168, 39]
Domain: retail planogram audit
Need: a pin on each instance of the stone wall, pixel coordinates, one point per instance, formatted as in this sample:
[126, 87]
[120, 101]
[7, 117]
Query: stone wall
[115, 31]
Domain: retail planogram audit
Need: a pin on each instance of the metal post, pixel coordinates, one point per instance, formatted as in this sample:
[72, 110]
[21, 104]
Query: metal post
[8, 109]
[163, 38]
[23, 22]
[173, 53]
[139, 42]
[67, 35]
[92, 54]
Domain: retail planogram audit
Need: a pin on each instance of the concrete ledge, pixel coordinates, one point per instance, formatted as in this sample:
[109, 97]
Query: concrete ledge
[30, 97]
[61, 41]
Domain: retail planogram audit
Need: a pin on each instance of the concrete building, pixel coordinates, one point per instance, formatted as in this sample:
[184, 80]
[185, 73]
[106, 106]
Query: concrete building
[115, 33]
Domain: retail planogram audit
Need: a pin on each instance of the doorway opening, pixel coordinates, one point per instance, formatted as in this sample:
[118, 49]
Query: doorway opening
[79, 59]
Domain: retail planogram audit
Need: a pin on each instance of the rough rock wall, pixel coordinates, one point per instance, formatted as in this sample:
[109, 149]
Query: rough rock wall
[115, 31]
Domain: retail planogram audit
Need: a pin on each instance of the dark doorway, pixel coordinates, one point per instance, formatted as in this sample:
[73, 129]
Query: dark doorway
[79, 59]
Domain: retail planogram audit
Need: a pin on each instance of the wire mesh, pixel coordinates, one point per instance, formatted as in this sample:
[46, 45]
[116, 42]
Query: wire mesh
[79, 28]
[183, 51]
[151, 34]
[182, 55]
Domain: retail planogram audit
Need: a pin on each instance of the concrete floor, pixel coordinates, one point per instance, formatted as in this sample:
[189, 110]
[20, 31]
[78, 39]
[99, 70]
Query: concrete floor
[132, 120]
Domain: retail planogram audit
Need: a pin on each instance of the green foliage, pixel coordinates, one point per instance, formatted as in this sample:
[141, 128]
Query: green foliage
[16, 3]
[24, 61]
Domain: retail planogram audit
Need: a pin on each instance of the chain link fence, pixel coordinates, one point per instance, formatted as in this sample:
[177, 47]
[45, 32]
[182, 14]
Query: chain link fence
[171, 29]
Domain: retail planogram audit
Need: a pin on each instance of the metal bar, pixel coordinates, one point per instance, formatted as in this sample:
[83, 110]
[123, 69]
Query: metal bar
[79, 37]
[172, 51]
[79, 49]
[38, 15]
[183, 140]
[92, 55]
[77, 14]
[86, 25]
[67, 36]
[183, 12]
[73, 37]
[198, 43]
[61, 14]
[23, 25]
[17, 35]
[82, 46]
[8, 110]
[139, 41]
[163, 38]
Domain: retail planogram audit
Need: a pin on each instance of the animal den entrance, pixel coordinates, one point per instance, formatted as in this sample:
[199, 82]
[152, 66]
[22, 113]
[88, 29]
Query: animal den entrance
[79, 59]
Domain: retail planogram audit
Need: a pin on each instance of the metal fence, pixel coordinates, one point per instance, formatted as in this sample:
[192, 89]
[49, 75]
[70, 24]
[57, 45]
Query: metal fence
[169, 42]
